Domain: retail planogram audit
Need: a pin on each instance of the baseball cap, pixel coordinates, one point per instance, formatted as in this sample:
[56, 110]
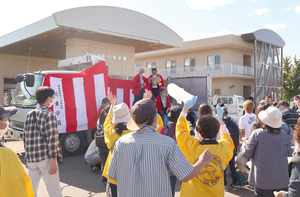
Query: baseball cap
[162, 90]
[7, 111]
[141, 113]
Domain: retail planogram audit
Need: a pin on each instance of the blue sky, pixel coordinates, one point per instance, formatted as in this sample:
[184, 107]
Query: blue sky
[190, 19]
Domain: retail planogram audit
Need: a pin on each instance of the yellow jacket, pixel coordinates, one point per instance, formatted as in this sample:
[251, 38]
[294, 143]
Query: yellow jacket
[210, 180]
[110, 137]
[14, 181]
[160, 122]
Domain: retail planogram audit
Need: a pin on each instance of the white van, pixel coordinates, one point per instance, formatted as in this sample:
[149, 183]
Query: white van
[234, 104]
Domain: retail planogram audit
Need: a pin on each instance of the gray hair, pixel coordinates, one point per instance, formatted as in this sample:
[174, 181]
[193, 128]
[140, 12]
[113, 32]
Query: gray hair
[141, 69]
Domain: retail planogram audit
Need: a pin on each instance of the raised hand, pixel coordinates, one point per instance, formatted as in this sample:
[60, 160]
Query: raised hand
[206, 157]
[148, 95]
[190, 103]
[112, 98]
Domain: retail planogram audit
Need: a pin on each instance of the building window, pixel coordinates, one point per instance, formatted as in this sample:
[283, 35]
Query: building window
[189, 64]
[137, 65]
[214, 61]
[151, 65]
[171, 64]
[218, 91]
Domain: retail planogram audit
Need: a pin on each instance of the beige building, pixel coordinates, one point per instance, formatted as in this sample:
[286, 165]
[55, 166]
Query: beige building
[113, 33]
[228, 59]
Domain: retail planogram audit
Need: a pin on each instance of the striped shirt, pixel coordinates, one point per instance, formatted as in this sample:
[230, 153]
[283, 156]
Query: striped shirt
[141, 162]
[290, 117]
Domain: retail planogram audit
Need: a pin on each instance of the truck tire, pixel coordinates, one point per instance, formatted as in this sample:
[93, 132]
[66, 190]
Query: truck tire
[71, 143]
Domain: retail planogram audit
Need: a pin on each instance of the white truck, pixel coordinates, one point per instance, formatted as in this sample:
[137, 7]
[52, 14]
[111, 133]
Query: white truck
[201, 86]
[233, 103]
[78, 97]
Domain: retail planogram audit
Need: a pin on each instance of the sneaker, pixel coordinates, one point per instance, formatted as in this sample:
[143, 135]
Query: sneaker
[93, 168]
[242, 186]
[232, 186]
[226, 188]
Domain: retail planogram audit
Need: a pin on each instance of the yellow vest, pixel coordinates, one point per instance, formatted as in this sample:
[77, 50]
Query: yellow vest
[210, 180]
[110, 137]
[14, 181]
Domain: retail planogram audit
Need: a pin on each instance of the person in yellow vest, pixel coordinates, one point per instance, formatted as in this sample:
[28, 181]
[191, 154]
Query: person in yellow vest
[209, 181]
[114, 128]
[13, 179]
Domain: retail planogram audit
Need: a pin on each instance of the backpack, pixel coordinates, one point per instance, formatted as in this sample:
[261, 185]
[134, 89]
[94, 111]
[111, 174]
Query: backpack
[170, 131]
[99, 137]
[233, 130]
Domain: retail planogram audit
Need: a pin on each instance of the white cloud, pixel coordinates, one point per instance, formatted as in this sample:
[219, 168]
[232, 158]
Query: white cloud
[297, 9]
[286, 9]
[206, 4]
[275, 26]
[261, 11]
[256, 0]
[208, 35]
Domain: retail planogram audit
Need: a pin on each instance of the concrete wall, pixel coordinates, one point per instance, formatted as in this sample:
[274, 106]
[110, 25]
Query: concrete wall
[225, 83]
[119, 59]
[12, 65]
[228, 55]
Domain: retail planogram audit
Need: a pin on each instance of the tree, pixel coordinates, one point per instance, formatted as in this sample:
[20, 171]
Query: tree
[291, 78]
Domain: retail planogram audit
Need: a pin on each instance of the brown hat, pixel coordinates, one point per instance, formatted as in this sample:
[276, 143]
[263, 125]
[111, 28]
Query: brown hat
[141, 112]
[283, 103]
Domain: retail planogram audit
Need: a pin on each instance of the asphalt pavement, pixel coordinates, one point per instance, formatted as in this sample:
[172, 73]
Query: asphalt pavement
[77, 179]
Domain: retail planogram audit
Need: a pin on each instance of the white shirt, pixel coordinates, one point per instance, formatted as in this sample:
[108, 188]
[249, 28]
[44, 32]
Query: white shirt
[246, 122]
[91, 150]
[141, 80]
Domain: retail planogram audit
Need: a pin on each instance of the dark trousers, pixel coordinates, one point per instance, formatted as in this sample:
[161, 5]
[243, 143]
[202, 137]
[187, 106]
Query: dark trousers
[103, 153]
[155, 92]
[173, 183]
[266, 193]
[113, 189]
[138, 97]
[232, 169]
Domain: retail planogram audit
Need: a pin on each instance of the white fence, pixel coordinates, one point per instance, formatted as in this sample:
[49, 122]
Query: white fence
[218, 69]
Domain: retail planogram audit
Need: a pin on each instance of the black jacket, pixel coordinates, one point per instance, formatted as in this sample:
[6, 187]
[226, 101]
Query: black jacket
[233, 130]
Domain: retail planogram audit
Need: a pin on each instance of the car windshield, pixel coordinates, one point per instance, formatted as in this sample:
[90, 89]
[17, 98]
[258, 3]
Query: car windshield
[25, 96]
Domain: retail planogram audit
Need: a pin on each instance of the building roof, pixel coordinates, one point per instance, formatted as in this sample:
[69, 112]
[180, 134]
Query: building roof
[114, 25]
[264, 35]
[230, 41]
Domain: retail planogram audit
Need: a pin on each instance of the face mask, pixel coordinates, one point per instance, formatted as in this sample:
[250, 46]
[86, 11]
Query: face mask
[51, 103]
[3, 131]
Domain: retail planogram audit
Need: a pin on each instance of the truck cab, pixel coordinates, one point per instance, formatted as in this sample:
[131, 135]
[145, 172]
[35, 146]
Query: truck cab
[25, 101]
[234, 104]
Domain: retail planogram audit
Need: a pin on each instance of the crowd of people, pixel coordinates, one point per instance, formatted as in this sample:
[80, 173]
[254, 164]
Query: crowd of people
[140, 160]
[145, 157]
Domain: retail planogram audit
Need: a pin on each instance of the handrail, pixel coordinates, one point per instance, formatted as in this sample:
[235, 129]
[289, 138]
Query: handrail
[217, 69]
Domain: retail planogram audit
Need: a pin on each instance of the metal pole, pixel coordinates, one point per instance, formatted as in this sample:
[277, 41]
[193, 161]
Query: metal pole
[281, 66]
[255, 70]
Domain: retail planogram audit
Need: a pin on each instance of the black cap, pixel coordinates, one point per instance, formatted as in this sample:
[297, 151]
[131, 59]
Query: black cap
[7, 111]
